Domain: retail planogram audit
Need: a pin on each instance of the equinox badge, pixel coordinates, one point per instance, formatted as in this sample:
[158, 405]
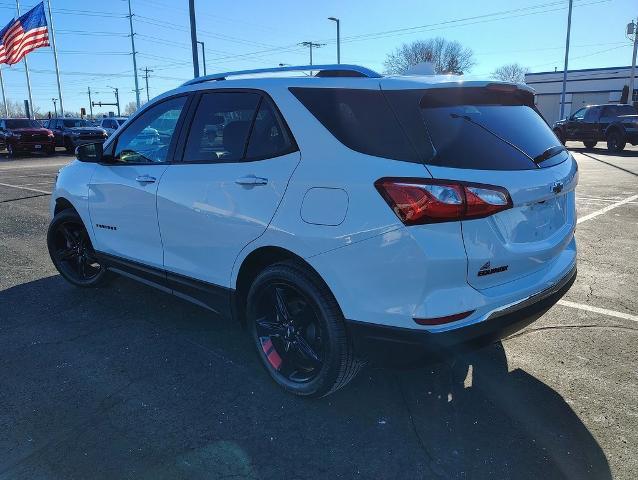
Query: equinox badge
[487, 269]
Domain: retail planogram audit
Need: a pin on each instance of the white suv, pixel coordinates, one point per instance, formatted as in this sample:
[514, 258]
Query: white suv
[342, 216]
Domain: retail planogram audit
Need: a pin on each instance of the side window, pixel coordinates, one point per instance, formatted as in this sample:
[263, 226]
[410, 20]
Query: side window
[148, 138]
[591, 115]
[220, 127]
[579, 115]
[268, 139]
[610, 111]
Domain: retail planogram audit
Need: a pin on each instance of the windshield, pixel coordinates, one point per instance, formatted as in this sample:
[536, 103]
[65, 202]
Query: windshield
[478, 129]
[75, 122]
[22, 123]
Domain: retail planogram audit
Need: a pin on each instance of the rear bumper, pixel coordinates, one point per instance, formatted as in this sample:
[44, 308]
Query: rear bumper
[395, 345]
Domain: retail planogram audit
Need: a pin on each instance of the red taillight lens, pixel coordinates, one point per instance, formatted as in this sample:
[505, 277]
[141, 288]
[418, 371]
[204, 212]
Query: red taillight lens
[417, 201]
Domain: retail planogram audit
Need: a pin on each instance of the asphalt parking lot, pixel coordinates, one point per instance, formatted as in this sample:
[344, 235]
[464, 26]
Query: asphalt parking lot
[127, 382]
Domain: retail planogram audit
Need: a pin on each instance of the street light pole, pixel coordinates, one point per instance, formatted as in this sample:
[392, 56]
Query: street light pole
[337, 21]
[191, 8]
[569, 28]
[55, 108]
[203, 56]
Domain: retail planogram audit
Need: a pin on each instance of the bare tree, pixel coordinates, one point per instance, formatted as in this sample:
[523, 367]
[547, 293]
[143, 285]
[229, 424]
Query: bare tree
[446, 56]
[130, 108]
[512, 72]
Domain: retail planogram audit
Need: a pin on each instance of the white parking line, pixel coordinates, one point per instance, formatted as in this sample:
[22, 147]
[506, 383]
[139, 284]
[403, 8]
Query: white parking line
[607, 208]
[602, 311]
[25, 188]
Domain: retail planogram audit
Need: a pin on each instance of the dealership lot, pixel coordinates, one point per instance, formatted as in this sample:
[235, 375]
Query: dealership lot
[127, 382]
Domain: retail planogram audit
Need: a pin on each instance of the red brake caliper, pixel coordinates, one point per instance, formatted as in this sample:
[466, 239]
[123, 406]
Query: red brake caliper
[271, 354]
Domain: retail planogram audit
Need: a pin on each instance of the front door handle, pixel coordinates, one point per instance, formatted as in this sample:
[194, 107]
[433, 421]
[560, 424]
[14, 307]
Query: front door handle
[251, 181]
[144, 179]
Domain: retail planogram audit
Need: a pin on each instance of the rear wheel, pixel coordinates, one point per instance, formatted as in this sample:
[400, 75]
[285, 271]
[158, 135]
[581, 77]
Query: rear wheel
[299, 331]
[590, 145]
[11, 150]
[615, 141]
[71, 251]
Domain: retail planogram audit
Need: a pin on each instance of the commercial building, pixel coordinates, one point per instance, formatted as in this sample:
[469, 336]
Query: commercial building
[584, 87]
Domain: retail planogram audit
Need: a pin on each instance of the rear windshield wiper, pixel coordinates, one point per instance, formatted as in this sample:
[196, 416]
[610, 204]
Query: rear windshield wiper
[474, 122]
[549, 153]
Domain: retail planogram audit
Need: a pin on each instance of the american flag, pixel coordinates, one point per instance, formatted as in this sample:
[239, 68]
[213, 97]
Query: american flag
[23, 35]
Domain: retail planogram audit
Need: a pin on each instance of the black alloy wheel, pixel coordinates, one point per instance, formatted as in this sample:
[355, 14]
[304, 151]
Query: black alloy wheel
[71, 251]
[299, 332]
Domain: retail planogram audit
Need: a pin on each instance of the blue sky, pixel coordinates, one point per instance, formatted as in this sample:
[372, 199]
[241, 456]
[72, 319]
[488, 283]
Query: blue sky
[94, 47]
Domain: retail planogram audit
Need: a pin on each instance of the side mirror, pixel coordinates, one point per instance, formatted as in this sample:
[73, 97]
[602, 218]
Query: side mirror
[90, 153]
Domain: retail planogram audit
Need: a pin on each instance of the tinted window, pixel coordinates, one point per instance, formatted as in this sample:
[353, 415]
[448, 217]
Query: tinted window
[485, 130]
[592, 114]
[75, 122]
[148, 138]
[360, 119]
[268, 139]
[22, 123]
[615, 110]
[221, 126]
[579, 114]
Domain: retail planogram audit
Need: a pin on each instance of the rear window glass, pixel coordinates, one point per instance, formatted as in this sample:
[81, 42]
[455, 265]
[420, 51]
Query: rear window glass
[485, 130]
[360, 119]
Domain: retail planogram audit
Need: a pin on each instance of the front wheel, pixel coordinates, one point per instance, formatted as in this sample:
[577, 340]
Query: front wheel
[590, 145]
[71, 251]
[615, 142]
[299, 332]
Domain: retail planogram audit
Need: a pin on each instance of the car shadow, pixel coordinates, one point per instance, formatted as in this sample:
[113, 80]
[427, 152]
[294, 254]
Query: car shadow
[601, 150]
[125, 381]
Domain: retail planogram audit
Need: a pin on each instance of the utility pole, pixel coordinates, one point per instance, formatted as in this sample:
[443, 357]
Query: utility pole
[146, 72]
[632, 29]
[90, 103]
[26, 70]
[55, 108]
[55, 59]
[310, 45]
[137, 86]
[338, 22]
[203, 56]
[569, 28]
[191, 9]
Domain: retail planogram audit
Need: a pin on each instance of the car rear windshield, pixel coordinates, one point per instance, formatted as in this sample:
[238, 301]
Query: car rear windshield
[22, 123]
[486, 129]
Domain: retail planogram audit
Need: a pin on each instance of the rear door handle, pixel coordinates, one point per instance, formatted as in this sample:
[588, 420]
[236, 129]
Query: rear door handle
[145, 179]
[251, 181]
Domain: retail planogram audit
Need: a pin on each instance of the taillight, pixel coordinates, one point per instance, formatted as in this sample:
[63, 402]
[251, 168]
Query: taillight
[417, 201]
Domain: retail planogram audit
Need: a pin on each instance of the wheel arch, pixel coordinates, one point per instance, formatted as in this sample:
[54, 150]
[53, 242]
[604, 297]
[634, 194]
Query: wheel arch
[253, 264]
[615, 127]
[61, 204]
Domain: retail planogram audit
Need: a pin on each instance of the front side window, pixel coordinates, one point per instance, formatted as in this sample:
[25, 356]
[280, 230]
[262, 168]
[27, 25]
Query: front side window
[592, 114]
[148, 138]
[579, 115]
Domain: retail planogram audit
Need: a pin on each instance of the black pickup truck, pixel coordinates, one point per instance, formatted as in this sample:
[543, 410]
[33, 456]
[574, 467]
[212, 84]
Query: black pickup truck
[615, 124]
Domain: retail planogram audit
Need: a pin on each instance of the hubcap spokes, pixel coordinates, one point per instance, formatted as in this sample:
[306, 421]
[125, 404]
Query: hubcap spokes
[74, 251]
[289, 332]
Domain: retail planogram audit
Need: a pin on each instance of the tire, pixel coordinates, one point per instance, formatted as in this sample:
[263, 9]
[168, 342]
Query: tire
[11, 151]
[615, 141]
[71, 251]
[590, 145]
[559, 134]
[313, 314]
[69, 146]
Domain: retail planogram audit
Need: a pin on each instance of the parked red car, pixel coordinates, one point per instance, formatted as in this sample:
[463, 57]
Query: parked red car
[22, 135]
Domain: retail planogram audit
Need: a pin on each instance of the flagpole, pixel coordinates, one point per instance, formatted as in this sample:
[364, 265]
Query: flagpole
[26, 70]
[4, 99]
[55, 58]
